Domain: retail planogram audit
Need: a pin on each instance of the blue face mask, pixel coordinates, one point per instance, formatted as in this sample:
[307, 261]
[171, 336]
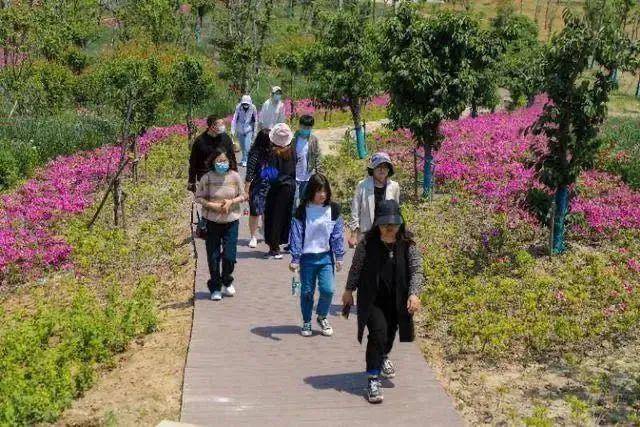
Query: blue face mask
[221, 168]
[277, 97]
[305, 133]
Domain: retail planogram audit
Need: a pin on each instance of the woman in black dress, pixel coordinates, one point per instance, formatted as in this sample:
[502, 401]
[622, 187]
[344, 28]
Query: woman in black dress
[256, 186]
[281, 174]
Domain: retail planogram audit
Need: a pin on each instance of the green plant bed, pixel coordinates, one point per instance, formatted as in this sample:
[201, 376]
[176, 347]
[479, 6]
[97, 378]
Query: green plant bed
[57, 334]
[28, 142]
[497, 310]
[622, 154]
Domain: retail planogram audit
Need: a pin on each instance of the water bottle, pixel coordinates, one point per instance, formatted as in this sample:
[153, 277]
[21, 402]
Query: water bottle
[295, 286]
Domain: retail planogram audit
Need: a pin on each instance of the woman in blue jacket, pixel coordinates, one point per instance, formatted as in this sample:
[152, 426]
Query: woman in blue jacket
[317, 246]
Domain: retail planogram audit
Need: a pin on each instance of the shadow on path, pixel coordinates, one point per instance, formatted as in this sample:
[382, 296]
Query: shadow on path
[352, 382]
[270, 331]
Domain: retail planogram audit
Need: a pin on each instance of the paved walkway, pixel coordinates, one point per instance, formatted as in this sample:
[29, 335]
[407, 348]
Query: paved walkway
[248, 366]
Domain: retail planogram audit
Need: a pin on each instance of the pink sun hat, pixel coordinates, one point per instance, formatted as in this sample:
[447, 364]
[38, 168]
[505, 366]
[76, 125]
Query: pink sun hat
[281, 135]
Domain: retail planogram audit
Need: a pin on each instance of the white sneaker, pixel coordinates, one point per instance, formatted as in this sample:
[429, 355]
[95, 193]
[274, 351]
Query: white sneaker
[229, 291]
[253, 243]
[216, 296]
[278, 256]
[326, 328]
[306, 331]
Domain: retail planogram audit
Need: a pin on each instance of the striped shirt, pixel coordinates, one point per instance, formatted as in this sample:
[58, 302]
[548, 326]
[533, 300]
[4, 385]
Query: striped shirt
[215, 187]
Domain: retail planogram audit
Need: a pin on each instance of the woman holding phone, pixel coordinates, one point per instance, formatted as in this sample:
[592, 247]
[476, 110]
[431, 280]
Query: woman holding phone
[387, 274]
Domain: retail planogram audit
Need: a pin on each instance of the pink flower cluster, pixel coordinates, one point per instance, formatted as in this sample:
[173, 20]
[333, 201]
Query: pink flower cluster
[67, 185]
[488, 157]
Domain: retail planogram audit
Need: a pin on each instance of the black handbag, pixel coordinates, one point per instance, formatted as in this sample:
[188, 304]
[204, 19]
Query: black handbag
[201, 227]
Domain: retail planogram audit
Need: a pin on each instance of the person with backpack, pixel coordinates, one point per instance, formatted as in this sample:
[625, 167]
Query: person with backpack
[280, 171]
[220, 193]
[378, 186]
[244, 126]
[387, 274]
[256, 185]
[317, 248]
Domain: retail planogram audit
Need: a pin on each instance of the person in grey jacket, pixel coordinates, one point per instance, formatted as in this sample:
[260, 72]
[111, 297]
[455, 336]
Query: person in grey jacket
[378, 186]
[387, 274]
[244, 126]
[308, 154]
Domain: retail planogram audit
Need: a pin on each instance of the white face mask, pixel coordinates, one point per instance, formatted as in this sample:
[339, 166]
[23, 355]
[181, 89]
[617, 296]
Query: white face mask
[222, 129]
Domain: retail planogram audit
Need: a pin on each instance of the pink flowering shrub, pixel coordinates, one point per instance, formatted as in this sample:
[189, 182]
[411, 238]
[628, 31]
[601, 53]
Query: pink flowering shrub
[489, 157]
[67, 185]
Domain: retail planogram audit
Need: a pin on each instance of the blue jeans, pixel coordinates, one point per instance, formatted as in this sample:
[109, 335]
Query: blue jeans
[301, 187]
[245, 140]
[316, 268]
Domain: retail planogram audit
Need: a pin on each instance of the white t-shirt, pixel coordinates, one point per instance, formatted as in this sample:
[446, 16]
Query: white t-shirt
[318, 229]
[302, 151]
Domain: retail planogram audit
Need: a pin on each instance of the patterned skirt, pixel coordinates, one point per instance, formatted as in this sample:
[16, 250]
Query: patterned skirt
[258, 197]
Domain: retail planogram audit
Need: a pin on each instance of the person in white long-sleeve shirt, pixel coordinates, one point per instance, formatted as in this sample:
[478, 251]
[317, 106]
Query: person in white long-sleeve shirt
[272, 111]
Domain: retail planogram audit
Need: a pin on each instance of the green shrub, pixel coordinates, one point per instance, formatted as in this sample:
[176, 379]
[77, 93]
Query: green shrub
[9, 166]
[33, 141]
[622, 153]
[49, 357]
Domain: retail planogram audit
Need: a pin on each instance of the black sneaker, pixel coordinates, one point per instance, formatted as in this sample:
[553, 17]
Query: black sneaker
[388, 370]
[374, 390]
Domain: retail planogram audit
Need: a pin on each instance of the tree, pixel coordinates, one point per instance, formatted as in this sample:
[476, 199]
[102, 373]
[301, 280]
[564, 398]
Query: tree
[342, 66]
[132, 87]
[519, 62]
[427, 69]
[577, 105]
[485, 72]
[156, 19]
[191, 83]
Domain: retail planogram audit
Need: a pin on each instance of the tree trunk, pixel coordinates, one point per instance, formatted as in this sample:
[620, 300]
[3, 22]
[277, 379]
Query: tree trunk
[638, 88]
[546, 15]
[427, 182]
[474, 109]
[415, 172]
[562, 206]
[537, 11]
[357, 125]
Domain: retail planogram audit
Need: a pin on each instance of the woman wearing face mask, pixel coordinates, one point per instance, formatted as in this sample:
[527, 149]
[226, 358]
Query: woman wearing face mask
[387, 274]
[220, 192]
[369, 193]
[206, 143]
[272, 111]
[244, 126]
[282, 187]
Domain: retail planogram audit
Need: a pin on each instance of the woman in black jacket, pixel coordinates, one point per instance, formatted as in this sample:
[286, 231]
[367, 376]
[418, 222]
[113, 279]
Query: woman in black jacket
[387, 273]
[281, 172]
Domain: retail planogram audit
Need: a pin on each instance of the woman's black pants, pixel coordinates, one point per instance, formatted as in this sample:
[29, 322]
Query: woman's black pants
[382, 326]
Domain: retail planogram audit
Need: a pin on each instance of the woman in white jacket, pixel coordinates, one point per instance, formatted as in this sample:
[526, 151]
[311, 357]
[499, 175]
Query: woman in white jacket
[369, 192]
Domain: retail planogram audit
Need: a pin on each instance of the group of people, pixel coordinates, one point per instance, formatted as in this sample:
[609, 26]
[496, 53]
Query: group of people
[284, 186]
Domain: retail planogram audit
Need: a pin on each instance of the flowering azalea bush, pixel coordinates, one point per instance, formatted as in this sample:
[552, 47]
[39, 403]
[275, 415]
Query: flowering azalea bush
[490, 157]
[29, 241]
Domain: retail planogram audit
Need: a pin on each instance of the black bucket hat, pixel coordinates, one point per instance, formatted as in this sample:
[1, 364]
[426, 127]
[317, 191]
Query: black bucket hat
[388, 212]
